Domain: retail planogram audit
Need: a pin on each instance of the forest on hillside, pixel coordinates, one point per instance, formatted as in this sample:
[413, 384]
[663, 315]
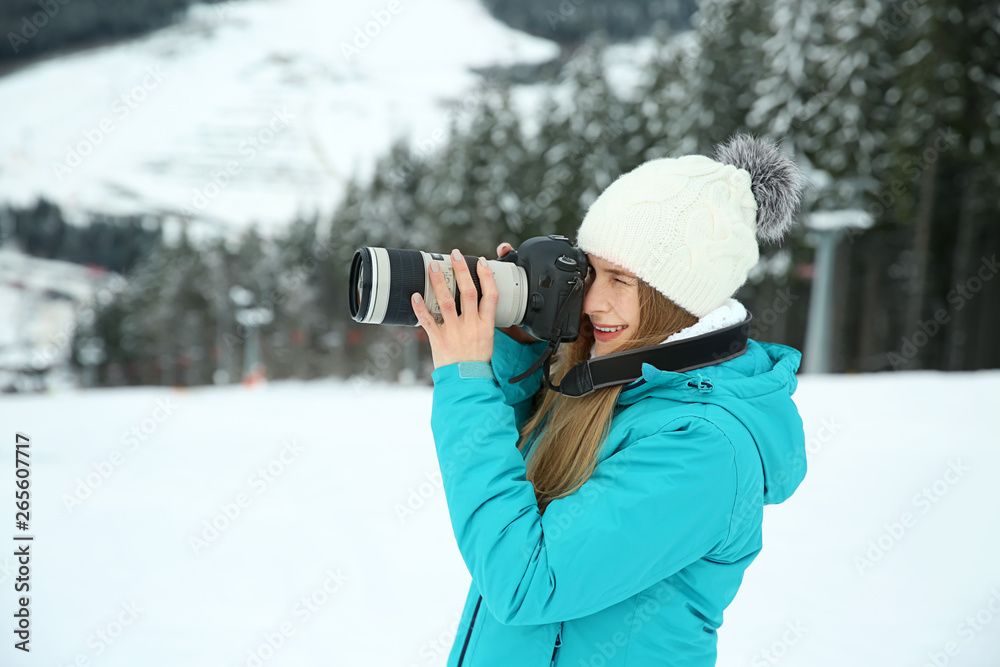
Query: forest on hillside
[34, 27]
[572, 21]
[892, 108]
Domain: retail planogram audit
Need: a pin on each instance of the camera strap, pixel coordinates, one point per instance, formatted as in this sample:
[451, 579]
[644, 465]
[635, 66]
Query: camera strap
[555, 335]
[624, 367]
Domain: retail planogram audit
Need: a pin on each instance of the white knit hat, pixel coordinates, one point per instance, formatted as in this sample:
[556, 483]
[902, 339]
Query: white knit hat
[689, 226]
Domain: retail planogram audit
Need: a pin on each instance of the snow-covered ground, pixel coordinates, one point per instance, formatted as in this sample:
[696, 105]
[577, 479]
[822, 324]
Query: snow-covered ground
[250, 111]
[331, 536]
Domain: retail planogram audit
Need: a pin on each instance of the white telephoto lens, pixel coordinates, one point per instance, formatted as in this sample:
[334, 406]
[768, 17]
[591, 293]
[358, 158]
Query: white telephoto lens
[512, 287]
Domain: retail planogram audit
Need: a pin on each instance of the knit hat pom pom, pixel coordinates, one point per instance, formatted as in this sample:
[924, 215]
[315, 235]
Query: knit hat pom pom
[775, 181]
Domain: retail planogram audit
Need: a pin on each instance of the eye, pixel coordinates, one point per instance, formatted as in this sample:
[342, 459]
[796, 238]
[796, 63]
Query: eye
[621, 281]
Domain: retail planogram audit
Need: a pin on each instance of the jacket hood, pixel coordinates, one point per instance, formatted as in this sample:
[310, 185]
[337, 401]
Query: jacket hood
[756, 388]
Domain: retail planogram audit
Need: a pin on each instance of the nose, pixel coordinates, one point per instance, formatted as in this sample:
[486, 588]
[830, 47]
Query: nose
[594, 300]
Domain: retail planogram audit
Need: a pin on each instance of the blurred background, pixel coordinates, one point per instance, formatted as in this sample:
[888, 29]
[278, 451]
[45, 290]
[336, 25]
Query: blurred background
[183, 185]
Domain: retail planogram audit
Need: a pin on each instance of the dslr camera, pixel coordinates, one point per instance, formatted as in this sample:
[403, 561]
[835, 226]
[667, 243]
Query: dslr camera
[541, 286]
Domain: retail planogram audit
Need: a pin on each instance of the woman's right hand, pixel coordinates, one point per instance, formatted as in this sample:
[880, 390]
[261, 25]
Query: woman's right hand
[515, 332]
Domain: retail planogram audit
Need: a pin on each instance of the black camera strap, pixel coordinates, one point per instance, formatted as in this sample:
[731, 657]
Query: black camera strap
[555, 335]
[624, 367]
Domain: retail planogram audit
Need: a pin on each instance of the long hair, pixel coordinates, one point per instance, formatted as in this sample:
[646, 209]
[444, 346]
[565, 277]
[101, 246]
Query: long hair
[566, 453]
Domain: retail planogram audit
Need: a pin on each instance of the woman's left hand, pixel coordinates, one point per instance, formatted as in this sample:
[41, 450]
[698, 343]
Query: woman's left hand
[465, 337]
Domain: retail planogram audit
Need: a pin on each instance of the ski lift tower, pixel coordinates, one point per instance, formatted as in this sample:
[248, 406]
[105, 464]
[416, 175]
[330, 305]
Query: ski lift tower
[826, 228]
[253, 319]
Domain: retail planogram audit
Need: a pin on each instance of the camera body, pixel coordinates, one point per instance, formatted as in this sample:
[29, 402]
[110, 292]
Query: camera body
[552, 265]
[540, 284]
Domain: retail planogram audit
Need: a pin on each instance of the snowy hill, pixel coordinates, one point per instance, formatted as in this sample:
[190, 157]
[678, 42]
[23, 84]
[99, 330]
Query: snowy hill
[203, 527]
[245, 112]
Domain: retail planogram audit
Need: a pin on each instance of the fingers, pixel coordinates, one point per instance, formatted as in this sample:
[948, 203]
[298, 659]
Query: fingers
[423, 315]
[491, 295]
[463, 279]
[443, 296]
[485, 309]
[503, 249]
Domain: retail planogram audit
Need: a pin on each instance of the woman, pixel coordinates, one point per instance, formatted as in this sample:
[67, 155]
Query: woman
[619, 529]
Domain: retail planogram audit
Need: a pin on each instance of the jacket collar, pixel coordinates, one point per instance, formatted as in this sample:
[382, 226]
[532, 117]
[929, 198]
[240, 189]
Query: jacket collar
[763, 368]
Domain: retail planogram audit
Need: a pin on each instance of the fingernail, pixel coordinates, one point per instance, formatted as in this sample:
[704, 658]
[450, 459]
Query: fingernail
[435, 268]
[456, 255]
[416, 298]
[482, 260]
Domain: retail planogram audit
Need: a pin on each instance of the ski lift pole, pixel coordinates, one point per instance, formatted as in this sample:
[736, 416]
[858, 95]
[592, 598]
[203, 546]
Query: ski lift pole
[827, 228]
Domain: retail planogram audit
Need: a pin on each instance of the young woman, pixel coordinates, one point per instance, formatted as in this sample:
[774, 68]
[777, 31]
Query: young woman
[613, 529]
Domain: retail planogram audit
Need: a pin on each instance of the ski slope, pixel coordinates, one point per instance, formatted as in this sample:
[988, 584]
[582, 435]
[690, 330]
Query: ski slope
[246, 112]
[204, 526]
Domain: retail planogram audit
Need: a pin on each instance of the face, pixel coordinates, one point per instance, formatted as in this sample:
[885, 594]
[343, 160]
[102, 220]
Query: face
[611, 300]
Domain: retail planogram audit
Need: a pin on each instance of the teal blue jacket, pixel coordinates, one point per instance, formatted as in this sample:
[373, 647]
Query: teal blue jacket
[634, 568]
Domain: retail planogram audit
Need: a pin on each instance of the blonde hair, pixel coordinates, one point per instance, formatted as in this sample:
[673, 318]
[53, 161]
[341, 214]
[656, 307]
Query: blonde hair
[565, 455]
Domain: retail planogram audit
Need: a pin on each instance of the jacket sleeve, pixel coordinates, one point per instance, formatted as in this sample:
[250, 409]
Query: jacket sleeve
[511, 358]
[650, 509]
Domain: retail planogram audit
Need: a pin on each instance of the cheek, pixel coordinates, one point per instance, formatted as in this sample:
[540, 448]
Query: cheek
[633, 309]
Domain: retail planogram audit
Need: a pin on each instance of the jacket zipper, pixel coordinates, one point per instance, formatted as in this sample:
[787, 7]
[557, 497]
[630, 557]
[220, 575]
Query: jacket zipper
[461, 657]
[636, 384]
[556, 647]
[468, 634]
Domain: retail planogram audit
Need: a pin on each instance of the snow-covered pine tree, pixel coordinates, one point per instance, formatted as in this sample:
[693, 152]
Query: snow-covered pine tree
[946, 143]
[495, 154]
[826, 87]
[726, 63]
[551, 175]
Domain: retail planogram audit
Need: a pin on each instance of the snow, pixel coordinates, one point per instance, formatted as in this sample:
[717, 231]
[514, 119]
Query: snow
[328, 514]
[248, 112]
